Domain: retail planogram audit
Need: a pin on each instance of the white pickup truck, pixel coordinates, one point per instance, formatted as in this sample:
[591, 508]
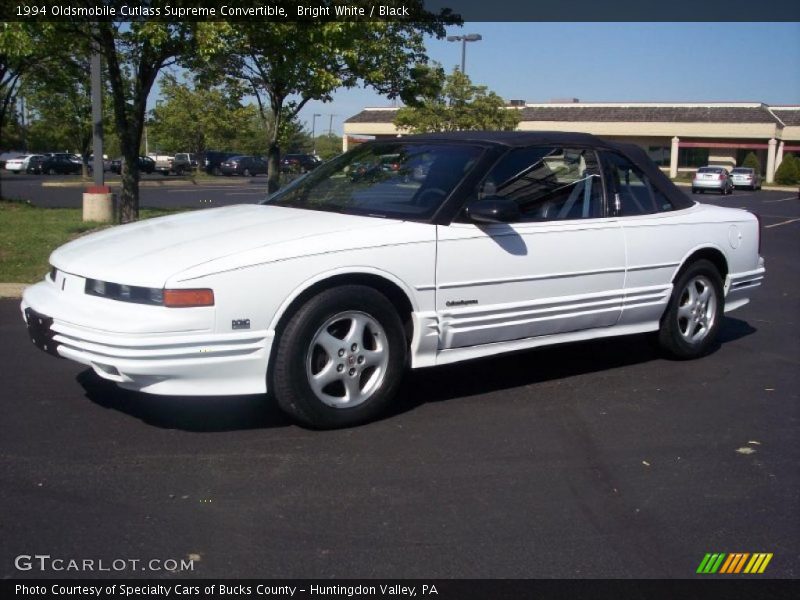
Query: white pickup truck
[179, 164]
[163, 163]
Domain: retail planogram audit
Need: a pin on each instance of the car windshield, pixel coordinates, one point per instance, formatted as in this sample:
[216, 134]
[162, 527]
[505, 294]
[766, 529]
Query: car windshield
[709, 170]
[742, 171]
[395, 179]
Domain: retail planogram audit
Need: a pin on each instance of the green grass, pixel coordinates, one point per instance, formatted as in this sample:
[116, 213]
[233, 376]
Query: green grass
[28, 234]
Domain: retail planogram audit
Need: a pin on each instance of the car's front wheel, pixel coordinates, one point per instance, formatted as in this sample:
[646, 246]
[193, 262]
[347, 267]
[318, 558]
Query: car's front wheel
[693, 317]
[340, 358]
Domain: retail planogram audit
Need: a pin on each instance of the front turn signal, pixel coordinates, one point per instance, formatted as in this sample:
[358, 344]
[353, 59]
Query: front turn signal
[188, 298]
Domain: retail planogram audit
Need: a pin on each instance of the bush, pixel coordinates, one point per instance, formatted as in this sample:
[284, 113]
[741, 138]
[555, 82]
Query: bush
[751, 161]
[788, 172]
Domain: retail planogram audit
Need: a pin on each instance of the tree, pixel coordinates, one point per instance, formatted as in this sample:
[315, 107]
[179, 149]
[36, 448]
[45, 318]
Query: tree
[286, 64]
[455, 104]
[61, 102]
[134, 53]
[192, 117]
[788, 173]
[751, 161]
[24, 47]
[328, 146]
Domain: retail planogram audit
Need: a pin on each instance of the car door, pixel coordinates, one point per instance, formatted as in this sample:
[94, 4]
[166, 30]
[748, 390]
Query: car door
[655, 238]
[559, 268]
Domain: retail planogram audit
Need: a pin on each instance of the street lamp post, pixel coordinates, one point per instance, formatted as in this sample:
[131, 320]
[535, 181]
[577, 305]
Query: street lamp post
[470, 37]
[313, 133]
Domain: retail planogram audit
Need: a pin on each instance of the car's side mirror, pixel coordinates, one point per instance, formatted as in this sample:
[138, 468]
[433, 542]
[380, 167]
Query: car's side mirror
[493, 209]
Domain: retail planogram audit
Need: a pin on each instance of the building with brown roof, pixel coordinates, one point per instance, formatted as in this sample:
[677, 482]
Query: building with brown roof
[678, 136]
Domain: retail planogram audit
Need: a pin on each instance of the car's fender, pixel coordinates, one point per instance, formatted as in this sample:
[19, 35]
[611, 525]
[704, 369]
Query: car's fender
[337, 272]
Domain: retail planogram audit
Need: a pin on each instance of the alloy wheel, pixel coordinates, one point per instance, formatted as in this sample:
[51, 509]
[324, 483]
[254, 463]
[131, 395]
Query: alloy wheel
[697, 309]
[347, 359]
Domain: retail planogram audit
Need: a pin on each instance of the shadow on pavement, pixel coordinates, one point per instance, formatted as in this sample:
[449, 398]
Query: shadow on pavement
[188, 413]
[507, 371]
[436, 384]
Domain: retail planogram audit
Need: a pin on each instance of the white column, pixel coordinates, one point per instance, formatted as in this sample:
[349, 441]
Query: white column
[771, 160]
[779, 156]
[344, 142]
[673, 158]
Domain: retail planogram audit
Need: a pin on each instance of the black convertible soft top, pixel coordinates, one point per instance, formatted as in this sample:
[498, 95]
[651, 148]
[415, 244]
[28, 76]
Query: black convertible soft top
[515, 139]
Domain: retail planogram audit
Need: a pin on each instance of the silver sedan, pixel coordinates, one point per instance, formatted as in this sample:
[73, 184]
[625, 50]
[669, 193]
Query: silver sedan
[715, 179]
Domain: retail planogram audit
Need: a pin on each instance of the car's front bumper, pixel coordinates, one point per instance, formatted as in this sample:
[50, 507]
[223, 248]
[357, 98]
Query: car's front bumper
[151, 349]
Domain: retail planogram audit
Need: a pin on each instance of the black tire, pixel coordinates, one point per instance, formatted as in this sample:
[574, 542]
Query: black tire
[51, 171]
[296, 354]
[694, 190]
[677, 328]
[247, 173]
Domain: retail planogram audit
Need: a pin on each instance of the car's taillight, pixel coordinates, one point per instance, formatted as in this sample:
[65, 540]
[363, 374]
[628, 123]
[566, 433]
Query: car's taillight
[188, 298]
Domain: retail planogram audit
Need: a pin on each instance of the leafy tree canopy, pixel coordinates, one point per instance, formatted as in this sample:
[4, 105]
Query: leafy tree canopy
[287, 64]
[453, 103]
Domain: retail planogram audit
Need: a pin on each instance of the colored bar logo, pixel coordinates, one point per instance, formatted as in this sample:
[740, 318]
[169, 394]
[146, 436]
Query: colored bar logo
[737, 562]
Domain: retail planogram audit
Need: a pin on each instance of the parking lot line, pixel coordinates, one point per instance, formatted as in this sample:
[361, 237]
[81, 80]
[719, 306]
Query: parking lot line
[780, 200]
[781, 223]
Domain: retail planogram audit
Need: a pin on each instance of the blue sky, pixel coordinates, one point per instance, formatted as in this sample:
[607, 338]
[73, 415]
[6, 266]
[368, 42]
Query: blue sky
[611, 62]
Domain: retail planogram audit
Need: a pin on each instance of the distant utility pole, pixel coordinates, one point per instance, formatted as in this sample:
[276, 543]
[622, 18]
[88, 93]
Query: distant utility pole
[330, 124]
[313, 133]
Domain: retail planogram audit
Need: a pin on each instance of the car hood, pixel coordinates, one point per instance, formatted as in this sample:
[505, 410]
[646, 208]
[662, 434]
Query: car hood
[150, 252]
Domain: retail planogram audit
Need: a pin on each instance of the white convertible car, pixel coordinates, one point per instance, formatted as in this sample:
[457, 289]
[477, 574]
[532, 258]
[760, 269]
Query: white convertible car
[411, 252]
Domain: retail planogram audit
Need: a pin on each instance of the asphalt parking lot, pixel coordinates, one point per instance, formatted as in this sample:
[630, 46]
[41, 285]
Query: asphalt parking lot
[593, 460]
[64, 191]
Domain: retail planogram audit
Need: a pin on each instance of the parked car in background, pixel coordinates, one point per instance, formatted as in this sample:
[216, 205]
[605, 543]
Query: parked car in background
[183, 163]
[712, 179]
[299, 163]
[20, 163]
[213, 159]
[746, 177]
[106, 163]
[325, 293]
[60, 164]
[163, 162]
[146, 165]
[35, 164]
[249, 166]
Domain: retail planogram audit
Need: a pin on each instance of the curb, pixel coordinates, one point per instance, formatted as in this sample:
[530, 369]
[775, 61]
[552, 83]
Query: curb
[12, 290]
[765, 188]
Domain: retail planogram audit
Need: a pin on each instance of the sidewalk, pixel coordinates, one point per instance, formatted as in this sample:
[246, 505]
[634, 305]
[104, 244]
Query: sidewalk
[12, 290]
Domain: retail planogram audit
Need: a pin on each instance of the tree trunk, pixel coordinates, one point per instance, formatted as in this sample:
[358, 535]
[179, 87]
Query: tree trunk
[273, 168]
[129, 198]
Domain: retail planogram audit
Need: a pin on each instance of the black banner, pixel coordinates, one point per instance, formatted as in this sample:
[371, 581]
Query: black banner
[734, 588]
[410, 10]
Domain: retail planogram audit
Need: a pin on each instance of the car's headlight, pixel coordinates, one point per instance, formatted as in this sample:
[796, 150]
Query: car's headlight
[182, 298]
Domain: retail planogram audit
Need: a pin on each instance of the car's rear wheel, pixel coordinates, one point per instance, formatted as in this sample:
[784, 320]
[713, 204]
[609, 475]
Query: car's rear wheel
[51, 171]
[340, 358]
[693, 317]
